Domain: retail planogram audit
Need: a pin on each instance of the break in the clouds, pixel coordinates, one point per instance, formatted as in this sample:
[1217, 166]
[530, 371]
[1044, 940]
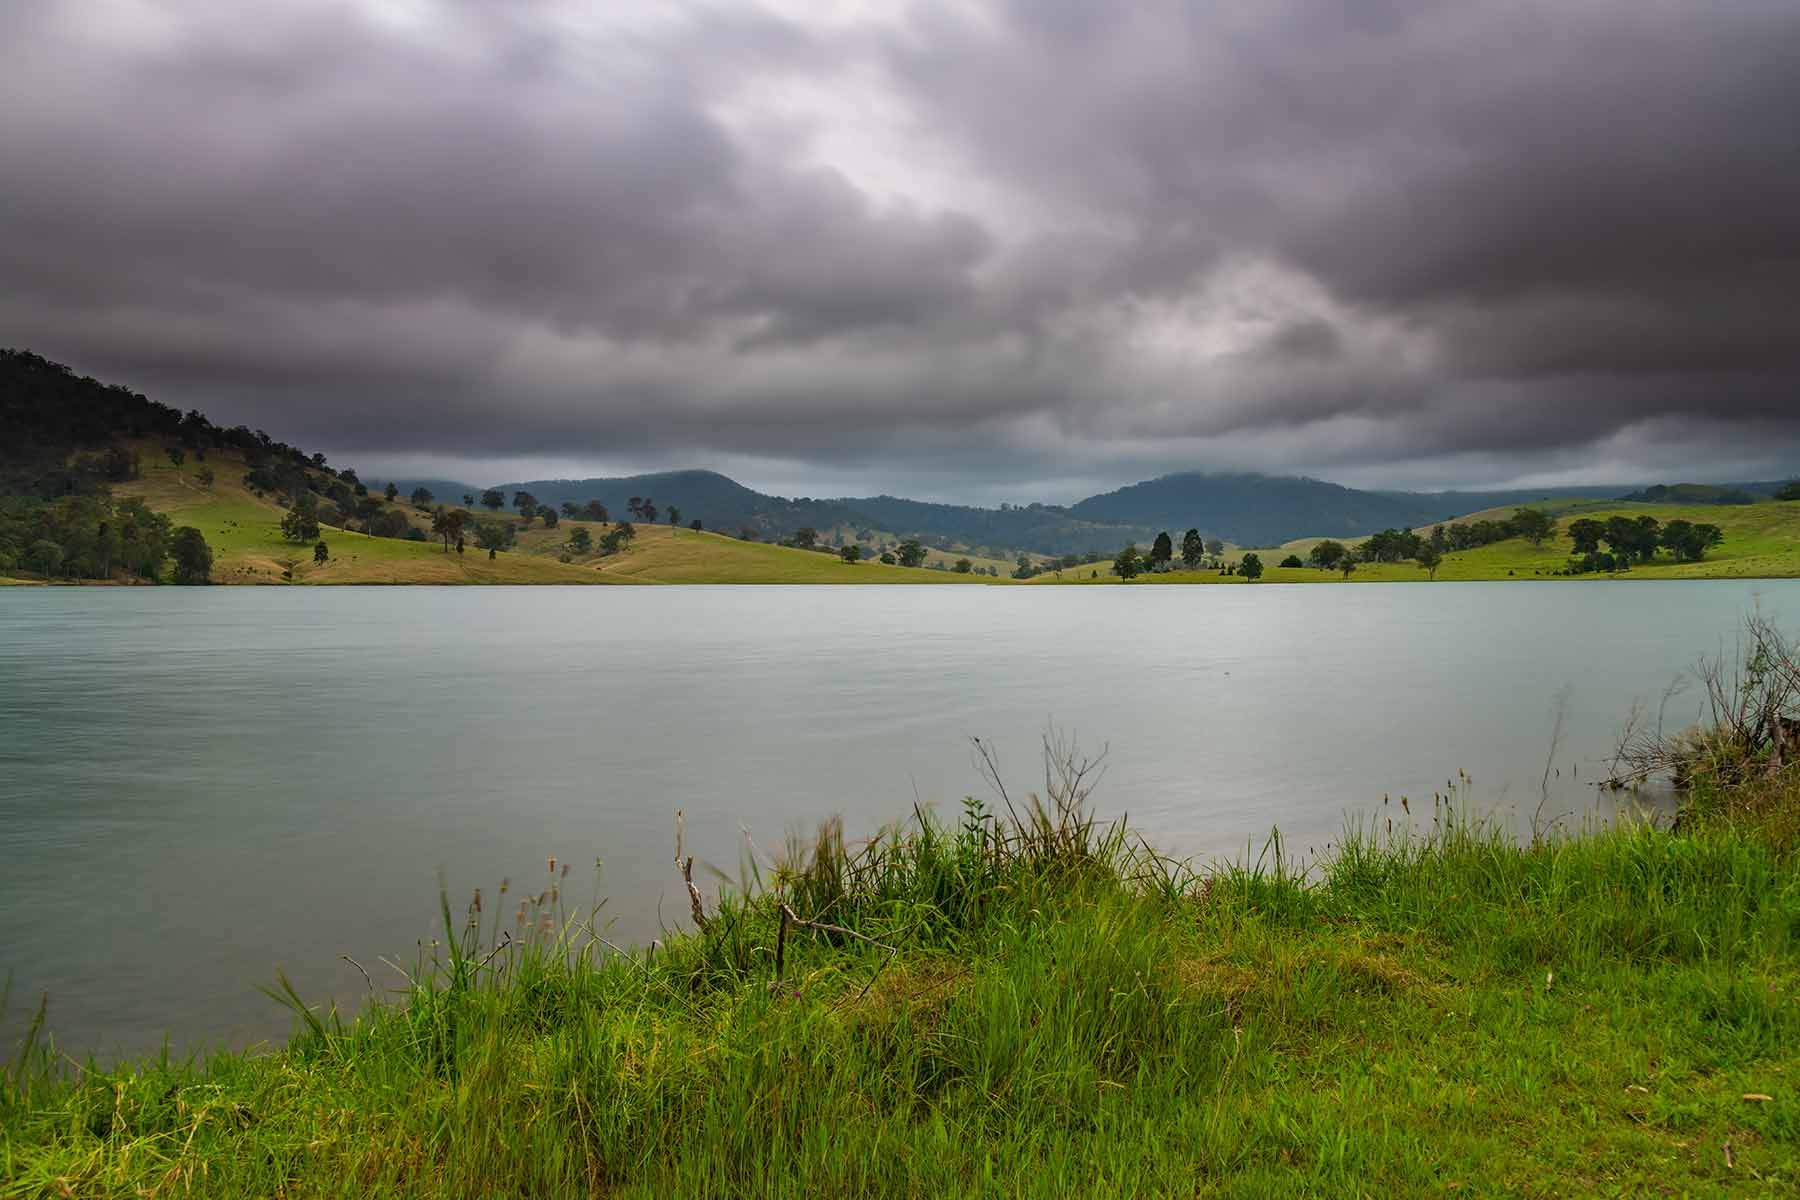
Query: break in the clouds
[960, 249]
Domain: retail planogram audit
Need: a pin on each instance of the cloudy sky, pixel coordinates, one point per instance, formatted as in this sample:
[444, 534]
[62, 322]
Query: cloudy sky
[965, 250]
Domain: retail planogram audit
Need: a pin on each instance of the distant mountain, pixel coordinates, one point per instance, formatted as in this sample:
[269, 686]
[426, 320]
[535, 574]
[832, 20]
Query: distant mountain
[1266, 510]
[1694, 493]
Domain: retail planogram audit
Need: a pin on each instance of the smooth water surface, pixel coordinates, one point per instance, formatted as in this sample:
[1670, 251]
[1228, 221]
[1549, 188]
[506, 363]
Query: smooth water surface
[199, 786]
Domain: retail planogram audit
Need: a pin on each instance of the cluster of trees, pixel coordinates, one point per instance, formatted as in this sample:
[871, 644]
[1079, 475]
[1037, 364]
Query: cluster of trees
[1789, 490]
[1196, 552]
[1636, 539]
[94, 536]
[58, 463]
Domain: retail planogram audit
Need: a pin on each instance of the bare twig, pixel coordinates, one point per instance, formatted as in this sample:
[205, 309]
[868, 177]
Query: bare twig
[359, 967]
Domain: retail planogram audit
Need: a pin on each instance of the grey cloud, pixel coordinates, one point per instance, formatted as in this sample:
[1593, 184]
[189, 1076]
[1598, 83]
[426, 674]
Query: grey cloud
[1400, 236]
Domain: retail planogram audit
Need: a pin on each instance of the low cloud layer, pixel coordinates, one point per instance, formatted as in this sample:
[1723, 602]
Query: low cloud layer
[972, 251]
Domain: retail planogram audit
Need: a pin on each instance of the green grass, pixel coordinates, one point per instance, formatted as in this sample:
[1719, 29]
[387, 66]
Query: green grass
[1048, 1013]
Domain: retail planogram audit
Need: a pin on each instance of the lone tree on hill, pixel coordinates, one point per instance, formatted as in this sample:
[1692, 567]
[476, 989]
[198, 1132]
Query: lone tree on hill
[593, 510]
[493, 499]
[1128, 563]
[448, 525]
[468, 499]
[547, 515]
[851, 553]
[1431, 557]
[1251, 567]
[301, 524]
[525, 502]
[1162, 551]
[1347, 565]
[1193, 549]
[911, 553]
[391, 491]
[964, 566]
[422, 497]
[493, 536]
[1533, 524]
[321, 553]
[581, 541]
[177, 456]
[674, 515]
[806, 537]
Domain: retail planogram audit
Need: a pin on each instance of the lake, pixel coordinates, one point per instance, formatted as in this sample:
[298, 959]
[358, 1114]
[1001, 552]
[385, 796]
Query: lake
[198, 786]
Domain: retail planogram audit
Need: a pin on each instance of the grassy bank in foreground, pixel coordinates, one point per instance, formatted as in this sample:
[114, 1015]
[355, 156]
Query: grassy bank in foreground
[1034, 1008]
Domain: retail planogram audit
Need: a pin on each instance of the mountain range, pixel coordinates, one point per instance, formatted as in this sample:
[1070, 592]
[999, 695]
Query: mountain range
[1245, 509]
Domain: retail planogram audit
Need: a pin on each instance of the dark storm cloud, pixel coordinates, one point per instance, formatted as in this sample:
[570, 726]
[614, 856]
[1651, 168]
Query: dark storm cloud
[1396, 239]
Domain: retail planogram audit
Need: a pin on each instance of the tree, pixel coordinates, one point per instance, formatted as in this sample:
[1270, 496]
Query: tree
[911, 553]
[1587, 535]
[674, 515]
[321, 553]
[593, 510]
[205, 476]
[1327, 554]
[177, 456]
[193, 557]
[1128, 563]
[964, 566]
[547, 515]
[806, 537]
[493, 499]
[468, 499]
[1633, 540]
[1791, 491]
[525, 502]
[887, 556]
[571, 510]
[300, 524]
[448, 525]
[851, 553]
[1292, 560]
[695, 525]
[366, 508]
[1162, 552]
[1251, 567]
[1533, 524]
[635, 506]
[422, 498]
[1215, 546]
[1689, 542]
[1193, 550]
[1347, 565]
[648, 511]
[391, 491]
[581, 541]
[493, 536]
[45, 556]
[1431, 558]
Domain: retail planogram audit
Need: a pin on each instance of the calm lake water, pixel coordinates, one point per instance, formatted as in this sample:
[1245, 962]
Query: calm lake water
[199, 786]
